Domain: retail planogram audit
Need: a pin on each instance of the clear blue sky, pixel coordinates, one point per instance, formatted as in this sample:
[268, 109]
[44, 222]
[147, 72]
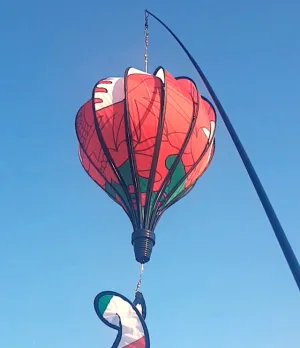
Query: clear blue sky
[63, 240]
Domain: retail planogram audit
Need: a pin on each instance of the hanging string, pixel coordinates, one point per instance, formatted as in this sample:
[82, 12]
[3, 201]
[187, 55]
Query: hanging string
[140, 279]
[146, 36]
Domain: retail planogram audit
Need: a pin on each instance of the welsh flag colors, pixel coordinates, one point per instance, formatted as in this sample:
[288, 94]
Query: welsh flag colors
[119, 313]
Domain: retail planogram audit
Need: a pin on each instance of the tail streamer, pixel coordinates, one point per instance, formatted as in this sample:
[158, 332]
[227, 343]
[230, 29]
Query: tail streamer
[128, 318]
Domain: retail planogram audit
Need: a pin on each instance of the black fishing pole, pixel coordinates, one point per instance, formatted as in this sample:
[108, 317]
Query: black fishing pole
[270, 212]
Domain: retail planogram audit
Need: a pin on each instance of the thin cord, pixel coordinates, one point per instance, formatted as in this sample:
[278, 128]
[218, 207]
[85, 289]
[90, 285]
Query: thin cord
[146, 39]
[140, 279]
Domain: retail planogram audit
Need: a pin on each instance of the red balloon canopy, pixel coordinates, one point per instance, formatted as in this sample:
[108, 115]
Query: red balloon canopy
[145, 140]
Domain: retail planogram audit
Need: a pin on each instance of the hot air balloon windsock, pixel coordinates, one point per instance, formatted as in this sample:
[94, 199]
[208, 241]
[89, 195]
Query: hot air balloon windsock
[145, 139]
